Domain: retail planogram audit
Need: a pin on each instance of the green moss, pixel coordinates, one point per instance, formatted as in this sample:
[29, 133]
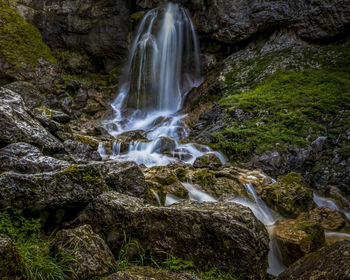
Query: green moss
[47, 111]
[287, 108]
[20, 42]
[85, 139]
[137, 16]
[82, 175]
[204, 178]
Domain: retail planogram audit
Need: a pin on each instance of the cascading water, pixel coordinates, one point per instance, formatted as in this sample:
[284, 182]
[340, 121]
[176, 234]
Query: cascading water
[164, 65]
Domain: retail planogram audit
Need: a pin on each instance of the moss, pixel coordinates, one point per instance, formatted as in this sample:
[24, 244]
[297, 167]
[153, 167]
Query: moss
[137, 16]
[46, 111]
[82, 175]
[20, 42]
[85, 139]
[204, 178]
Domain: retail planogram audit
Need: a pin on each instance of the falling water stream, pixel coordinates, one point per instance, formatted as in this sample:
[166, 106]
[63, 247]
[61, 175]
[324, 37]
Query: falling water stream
[163, 66]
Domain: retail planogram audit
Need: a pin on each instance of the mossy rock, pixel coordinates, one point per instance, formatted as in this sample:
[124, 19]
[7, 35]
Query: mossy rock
[20, 42]
[289, 196]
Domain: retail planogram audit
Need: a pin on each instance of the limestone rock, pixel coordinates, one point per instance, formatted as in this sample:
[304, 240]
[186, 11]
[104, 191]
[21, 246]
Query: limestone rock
[210, 161]
[331, 262]
[222, 235]
[31, 96]
[17, 125]
[289, 196]
[149, 273]
[92, 257]
[298, 239]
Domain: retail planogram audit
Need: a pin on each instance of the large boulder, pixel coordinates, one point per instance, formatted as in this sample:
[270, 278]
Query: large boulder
[221, 235]
[149, 273]
[298, 238]
[31, 96]
[331, 262]
[11, 262]
[92, 257]
[24, 158]
[210, 161]
[289, 196]
[16, 124]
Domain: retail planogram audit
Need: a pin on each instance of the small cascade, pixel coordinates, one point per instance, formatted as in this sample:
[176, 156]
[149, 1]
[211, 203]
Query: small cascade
[163, 66]
[330, 203]
[197, 195]
[268, 218]
[171, 199]
[156, 196]
[101, 150]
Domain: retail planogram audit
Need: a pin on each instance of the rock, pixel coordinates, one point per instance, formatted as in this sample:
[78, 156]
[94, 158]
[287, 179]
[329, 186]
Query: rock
[92, 257]
[126, 138]
[317, 145]
[329, 219]
[30, 95]
[99, 28]
[210, 161]
[81, 152]
[221, 235]
[289, 196]
[149, 273]
[17, 125]
[12, 265]
[164, 145]
[25, 158]
[55, 115]
[297, 239]
[330, 262]
[337, 194]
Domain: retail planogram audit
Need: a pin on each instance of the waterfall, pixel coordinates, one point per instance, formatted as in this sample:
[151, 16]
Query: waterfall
[163, 66]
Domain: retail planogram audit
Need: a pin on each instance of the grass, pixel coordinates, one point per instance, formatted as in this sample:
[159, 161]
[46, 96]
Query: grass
[285, 109]
[38, 263]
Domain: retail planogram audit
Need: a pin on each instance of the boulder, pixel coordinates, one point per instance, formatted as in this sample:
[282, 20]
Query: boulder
[210, 161]
[329, 219]
[81, 152]
[11, 262]
[16, 124]
[330, 262]
[297, 239]
[221, 235]
[92, 257]
[149, 273]
[24, 158]
[31, 96]
[289, 196]
[164, 145]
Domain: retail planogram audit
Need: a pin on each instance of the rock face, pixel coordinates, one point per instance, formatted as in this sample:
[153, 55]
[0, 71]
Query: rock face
[214, 235]
[100, 28]
[11, 263]
[149, 273]
[328, 263]
[17, 125]
[298, 238]
[289, 196]
[92, 257]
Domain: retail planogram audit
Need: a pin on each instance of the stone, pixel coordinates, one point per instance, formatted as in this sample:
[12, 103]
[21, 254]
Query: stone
[210, 161]
[329, 219]
[92, 257]
[31, 96]
[17, 125]
[297, 239]
[289, 196]
[164, 145]
[24, 158]
[149, 273]
[221, 235]
[338, 195]
[81, 152]
[332, 262]
[12, 265]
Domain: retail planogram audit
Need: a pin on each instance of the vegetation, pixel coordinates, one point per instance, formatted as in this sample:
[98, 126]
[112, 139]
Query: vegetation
[34, 250]
[287, 108]
[20, 42]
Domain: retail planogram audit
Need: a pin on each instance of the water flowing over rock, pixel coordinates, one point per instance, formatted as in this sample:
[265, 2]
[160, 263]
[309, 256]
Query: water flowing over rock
[222, 235]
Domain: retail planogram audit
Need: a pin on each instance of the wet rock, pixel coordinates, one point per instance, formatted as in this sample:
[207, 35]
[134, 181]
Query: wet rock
[92, 257]
[330, 262]
[329, 219]
[17, 125]
[12, 265]
[31, 96]
[210, 161]
[81, 152]
[337, 194]
[25, 158]
[55, 115]
[298, 238]
[221, 235]
[149, 273]
[289, 196]
[129, 137]
[164, 145]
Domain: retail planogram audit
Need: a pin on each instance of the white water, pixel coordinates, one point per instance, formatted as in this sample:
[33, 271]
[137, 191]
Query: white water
[268, 218]
[197, 195]
[163, 66]
[171, 199]
[328, 202]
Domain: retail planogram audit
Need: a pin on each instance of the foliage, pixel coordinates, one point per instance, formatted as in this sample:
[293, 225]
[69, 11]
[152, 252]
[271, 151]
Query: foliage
[20, 42]
[215, 274]
[35, 251]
